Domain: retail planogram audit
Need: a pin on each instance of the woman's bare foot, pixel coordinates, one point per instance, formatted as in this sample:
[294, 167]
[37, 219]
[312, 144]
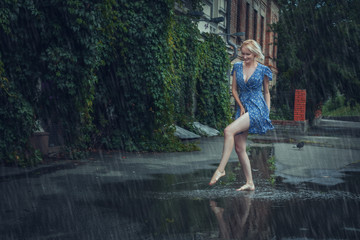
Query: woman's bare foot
[215, 208]
[216, 177]
[247, 187]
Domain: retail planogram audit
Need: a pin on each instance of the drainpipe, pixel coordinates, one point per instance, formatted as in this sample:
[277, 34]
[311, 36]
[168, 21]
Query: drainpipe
[228, 17]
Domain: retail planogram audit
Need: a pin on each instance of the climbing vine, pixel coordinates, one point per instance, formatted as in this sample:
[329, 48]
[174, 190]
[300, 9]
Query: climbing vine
[107, 73]
[213, 94]
[184, 43]
[16, 124]
[200, 64]
[51, 55]
[134, 101]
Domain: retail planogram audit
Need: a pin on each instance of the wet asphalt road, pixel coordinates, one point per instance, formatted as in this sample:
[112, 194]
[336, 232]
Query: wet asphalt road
[312, 193]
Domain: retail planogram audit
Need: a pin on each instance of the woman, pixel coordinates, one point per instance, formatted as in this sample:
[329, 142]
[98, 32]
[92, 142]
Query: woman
[252, 109]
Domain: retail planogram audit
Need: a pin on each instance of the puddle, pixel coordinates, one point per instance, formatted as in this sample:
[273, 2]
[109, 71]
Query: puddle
[180, 209]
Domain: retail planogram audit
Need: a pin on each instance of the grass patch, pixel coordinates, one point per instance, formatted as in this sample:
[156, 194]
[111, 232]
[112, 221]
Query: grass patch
[271, 163]
[337, 107]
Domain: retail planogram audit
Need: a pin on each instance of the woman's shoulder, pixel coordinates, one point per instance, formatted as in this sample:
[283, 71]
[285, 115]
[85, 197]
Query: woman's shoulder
[266, 71]
[238, 65]
[263, 66]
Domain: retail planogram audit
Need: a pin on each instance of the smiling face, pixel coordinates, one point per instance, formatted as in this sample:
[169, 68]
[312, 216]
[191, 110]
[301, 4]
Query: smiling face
[247, 56]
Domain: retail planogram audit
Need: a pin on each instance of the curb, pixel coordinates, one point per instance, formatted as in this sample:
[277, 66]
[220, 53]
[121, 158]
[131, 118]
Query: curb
[9, 173]
[299, 127]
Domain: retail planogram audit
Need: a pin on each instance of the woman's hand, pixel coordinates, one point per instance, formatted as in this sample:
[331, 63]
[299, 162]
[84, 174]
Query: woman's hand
[266, 91]
[242, 110]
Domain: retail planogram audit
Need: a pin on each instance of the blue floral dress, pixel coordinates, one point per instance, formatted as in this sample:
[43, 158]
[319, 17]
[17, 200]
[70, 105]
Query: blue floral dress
[252, 98]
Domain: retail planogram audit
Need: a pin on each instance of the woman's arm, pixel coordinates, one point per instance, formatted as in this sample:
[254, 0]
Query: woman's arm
[266, 91]
[236, 95]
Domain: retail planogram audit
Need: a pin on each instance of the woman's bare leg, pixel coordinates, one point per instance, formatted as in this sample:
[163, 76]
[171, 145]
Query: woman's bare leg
[239, 125]
[240, 148]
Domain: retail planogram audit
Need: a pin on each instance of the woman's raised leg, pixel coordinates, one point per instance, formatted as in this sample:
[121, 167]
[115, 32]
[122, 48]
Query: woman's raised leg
[239, 125]
[240, 149]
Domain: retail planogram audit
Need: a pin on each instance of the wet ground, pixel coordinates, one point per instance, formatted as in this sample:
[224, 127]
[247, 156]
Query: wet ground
[300, 194]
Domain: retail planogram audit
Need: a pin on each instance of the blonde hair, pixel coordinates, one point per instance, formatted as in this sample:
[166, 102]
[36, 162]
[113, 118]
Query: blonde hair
[254, 48]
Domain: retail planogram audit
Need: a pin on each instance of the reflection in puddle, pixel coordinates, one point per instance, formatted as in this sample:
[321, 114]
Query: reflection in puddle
[253, 216]
[233, 216]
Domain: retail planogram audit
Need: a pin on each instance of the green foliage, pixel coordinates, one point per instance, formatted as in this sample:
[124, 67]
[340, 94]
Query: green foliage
[119, 74]
[272, 167]
[318, 45]
[184, 43]
[282, 112]
[50, 53]
[200, 69]
[271, 161]
[213, 94]
[338, 106]
[150, 81]
[135, 85]
[16, 124]
[334, 103]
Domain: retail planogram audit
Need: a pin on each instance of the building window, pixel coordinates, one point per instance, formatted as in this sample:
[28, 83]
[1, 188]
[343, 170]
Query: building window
[207, 9]
[274, 47]
[247, 23]
[262, 32]
[255, 25]
[238, 21]
[222, 5]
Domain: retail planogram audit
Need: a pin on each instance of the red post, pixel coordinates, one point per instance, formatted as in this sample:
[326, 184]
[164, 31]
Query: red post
[300, 105]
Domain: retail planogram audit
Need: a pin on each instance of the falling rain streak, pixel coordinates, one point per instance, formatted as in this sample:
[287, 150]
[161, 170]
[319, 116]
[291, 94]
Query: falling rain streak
[65, 64]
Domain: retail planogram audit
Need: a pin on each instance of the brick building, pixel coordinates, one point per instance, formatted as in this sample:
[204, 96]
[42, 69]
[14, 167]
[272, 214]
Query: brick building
[252, 18]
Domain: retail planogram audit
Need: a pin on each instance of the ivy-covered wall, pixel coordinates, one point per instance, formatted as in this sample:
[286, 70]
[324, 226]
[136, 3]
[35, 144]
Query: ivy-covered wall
[112, 74]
